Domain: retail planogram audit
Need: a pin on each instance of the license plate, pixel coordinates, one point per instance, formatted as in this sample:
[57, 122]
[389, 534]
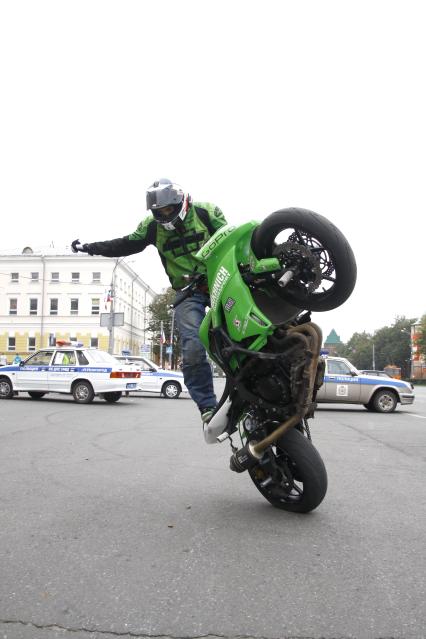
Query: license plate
[130, 385]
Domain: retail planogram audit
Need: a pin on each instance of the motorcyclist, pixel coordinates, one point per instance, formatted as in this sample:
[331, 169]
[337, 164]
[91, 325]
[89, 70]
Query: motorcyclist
[177, 227]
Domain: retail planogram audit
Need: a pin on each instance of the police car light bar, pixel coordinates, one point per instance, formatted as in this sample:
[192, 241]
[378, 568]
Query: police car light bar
[63, 342]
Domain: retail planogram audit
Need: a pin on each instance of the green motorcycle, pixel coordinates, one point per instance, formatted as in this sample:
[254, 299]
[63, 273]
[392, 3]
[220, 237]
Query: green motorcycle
[264, 279]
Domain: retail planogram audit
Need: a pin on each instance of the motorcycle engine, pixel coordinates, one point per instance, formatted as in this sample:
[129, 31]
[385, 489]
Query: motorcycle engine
[272, 387]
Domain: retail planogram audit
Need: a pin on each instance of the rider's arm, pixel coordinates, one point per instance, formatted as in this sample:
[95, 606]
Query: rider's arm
[217, 218]
[127, 245]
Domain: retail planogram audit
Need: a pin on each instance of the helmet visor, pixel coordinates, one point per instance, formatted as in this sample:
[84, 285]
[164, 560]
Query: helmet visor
[158, 198]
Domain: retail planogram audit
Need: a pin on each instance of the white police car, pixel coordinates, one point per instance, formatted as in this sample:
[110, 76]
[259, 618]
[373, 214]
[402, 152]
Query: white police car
[155, 379]
[344, 384]
[69, 368]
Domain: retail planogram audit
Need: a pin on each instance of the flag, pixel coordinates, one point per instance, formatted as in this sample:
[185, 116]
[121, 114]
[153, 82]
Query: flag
[162, 336]
[107, 298]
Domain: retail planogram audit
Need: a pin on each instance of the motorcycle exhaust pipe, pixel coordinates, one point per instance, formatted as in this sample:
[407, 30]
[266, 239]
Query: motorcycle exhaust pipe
[250, 454]
[245, 458]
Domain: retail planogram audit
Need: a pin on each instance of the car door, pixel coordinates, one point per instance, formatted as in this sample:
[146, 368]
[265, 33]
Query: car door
[340, 383]
[33, 372]
[62, 371]
[151, 379]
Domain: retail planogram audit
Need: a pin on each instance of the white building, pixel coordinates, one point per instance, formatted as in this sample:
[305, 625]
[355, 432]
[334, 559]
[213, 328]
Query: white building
[45, 297]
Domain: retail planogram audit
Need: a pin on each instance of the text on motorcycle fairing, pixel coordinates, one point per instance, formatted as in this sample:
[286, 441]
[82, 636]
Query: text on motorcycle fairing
[222, 277]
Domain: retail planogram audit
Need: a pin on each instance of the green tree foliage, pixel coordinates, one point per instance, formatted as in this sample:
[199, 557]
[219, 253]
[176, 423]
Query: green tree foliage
[391, 345]
[160, 311]
[358, 350]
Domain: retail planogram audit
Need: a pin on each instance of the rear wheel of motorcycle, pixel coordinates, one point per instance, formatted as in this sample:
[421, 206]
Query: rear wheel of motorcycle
[329, 255]
[297, 456]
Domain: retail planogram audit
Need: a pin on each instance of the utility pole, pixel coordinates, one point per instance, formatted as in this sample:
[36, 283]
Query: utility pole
[171, 338]
[161, 343]
[111, 310]
[374, 358]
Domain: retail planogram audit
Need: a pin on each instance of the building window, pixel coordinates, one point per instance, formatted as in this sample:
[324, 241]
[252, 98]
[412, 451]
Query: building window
[95, 305]
[54, 306]
[54, 277]
[14, 278]
[94, 342]
[11, 344]
[75, 278]
[96, 276]
[13, 306]
[74, 306]
[31, 344]
[34, 277]
[33, 306]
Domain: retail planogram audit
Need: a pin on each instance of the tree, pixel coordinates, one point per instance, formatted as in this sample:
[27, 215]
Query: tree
[359, 350]
[388, 345]
[160, 311]
[393, 345]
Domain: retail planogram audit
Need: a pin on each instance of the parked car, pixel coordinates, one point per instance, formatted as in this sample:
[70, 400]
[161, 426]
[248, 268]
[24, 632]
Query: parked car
[69, 368]
[155, 379]
[344, 384]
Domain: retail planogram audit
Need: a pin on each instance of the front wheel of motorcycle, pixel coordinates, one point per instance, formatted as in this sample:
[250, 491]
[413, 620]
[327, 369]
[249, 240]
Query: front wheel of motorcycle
[315, 250]
[302, 481]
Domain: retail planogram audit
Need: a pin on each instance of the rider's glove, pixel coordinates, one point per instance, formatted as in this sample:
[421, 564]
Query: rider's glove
[77, 247]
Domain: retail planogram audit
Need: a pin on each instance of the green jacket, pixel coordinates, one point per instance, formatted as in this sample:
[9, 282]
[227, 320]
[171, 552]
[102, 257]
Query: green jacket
[176, 249]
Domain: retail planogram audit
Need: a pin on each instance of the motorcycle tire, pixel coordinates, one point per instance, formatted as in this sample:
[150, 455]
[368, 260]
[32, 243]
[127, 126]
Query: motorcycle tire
[308, 482]
[329, 248]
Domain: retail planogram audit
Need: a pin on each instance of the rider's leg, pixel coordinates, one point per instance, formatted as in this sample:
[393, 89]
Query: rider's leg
[196, 370]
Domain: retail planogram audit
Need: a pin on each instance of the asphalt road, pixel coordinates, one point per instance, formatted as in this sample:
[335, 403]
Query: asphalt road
[118, 521]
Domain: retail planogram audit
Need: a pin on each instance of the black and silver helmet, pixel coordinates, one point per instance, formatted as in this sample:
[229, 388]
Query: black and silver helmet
[167, 202]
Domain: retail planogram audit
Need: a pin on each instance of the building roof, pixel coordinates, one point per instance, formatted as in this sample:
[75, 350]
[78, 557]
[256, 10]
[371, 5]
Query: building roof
[333, 338]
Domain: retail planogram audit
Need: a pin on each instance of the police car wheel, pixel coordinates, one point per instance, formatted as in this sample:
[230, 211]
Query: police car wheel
[384, 401]
[171, 390]
[6, 388]
[83, 392]
[36, 394]
[112, 397]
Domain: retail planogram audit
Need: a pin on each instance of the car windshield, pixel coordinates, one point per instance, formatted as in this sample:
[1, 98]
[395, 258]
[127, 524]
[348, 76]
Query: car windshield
[150, 364]
[102, 357]
[142, 362]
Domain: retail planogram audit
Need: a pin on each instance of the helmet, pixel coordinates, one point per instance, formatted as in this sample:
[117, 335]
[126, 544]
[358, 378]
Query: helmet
[167, 203]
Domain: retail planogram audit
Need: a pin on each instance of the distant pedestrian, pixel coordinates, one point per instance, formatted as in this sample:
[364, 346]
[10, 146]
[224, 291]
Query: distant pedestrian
[3, 360]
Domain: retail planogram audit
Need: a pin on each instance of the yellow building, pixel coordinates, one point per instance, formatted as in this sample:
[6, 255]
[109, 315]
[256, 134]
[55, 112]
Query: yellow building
[45, 297]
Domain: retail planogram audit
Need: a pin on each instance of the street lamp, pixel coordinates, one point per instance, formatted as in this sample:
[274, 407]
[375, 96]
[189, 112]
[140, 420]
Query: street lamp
[410, 361]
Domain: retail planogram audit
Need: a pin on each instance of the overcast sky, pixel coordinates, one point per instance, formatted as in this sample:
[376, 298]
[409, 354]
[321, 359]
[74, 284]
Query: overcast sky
[251, 105]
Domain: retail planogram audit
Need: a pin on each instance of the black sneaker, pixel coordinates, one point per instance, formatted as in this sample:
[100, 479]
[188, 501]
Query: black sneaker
[207, 414]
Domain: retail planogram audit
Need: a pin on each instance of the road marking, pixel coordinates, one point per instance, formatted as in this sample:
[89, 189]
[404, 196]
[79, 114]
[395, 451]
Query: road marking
[414, 415]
